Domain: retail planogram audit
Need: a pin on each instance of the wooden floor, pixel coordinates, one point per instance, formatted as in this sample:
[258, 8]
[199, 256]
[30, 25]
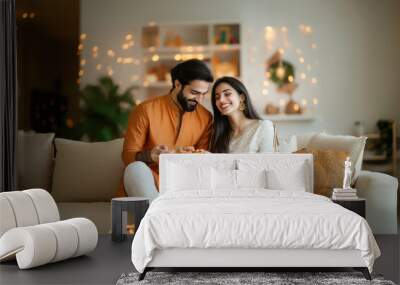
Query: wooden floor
[110, 260]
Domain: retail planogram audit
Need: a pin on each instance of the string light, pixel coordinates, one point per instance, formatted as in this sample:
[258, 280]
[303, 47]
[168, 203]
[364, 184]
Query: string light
[265, 92]
[83, 36]
[119, 60]
[314, 80]
[304, 102]
[127, 60]
[178, 57]
[125, 46]
[301, 59]
[266, 83]
[110, 53]
[128, 37]
[290, 78]
[155, 57]
[98, 66]
[25, 15]
[32, 15]
[83, 62]
[302, 75]
[81, 72]
[315, 101]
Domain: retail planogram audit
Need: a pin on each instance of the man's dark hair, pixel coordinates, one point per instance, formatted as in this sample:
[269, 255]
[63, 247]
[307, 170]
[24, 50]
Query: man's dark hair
[190, 70]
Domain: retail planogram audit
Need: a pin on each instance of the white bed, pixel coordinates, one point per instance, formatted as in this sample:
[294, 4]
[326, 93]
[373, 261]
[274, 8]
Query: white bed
[215, 211]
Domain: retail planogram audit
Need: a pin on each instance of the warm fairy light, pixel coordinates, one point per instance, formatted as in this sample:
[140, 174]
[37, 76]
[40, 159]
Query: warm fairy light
[290, 78]
[95, 55]
[137, 101]
[25, 15]
[315, 101]
[128, 37]
[152, 49]
[152, 23]
[83, 37]
[282, 102]
[301, 59]
[296, 107]
[119, 59]
[95, 49]
[281, 51]
[314, 80]
[308, 29]
[268, 28]
[268, 74]
[81, 72]
[110, 53]
[189, 49]
[302, 75]
[131, 43]
[200, 56]
[177, 57]
[80, 47]
[125, 46]
[127, 60]
[83, 62]
[280, 72]
[145, 83]
[265, 92]
[98, 66]
[31, 15]
[304, 102]
[266, 83]
[110, 72]
[155, 57]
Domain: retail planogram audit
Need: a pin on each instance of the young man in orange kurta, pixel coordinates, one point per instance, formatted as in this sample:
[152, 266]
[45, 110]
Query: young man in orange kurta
[164, 124]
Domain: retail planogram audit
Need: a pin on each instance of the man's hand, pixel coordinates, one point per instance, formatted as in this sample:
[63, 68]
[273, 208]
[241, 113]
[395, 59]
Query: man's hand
[184, 149]
[155, 152]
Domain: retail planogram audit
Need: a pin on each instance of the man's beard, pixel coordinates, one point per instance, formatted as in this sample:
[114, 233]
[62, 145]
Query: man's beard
[188, 105]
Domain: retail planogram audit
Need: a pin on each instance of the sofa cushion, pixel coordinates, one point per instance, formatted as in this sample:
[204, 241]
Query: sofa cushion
[87, 172]
[354, 146]
[35, 160]
[328, 170]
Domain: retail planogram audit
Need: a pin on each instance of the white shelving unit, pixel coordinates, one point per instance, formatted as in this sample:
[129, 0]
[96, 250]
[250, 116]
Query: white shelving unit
[165, 45]
[290, 118]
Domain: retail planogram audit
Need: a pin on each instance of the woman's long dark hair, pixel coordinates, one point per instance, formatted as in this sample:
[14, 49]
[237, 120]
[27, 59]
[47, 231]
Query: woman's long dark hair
[222, 129]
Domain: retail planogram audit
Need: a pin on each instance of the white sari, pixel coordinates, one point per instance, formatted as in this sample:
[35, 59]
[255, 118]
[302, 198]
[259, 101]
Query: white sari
[259, 136]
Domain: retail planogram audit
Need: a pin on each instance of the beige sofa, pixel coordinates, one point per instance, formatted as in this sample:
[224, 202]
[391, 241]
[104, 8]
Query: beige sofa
[83, 177]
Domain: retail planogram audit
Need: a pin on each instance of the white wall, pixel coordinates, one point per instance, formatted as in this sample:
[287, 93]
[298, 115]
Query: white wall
[358, 50]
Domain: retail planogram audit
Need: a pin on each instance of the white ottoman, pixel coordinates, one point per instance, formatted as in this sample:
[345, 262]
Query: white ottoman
[31, 232]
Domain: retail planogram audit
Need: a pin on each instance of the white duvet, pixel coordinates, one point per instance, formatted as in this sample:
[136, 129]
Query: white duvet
[252, 218]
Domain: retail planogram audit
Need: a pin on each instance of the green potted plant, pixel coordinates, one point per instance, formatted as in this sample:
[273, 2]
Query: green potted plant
[104, 110]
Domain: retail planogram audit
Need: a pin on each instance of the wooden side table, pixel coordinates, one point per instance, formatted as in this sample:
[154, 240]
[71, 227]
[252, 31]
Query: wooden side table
[137, 206]
[355, 205]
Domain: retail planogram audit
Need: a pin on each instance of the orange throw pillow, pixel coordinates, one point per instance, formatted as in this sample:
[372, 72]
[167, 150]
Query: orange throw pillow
[328, 169]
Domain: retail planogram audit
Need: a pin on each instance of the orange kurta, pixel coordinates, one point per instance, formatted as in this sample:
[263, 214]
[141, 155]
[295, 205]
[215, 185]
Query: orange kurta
[156, 121]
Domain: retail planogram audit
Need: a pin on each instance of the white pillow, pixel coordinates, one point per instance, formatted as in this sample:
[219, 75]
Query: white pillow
[288, 145]
[293, 180]
[251, 179]
[227, 179]
[182, 177]
[353, 145]
[224, 179]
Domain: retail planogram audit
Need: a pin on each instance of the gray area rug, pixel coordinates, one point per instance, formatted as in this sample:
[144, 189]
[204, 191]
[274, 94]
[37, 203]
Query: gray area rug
[228, 278]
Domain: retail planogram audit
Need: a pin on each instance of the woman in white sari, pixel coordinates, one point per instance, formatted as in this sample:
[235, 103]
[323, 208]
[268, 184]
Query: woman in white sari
[237, 128]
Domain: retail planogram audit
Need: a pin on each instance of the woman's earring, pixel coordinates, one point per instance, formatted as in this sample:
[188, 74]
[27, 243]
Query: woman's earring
[242, 106]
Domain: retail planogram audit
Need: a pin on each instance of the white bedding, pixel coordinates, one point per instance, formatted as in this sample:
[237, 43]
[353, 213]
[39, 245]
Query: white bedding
[252, 218]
